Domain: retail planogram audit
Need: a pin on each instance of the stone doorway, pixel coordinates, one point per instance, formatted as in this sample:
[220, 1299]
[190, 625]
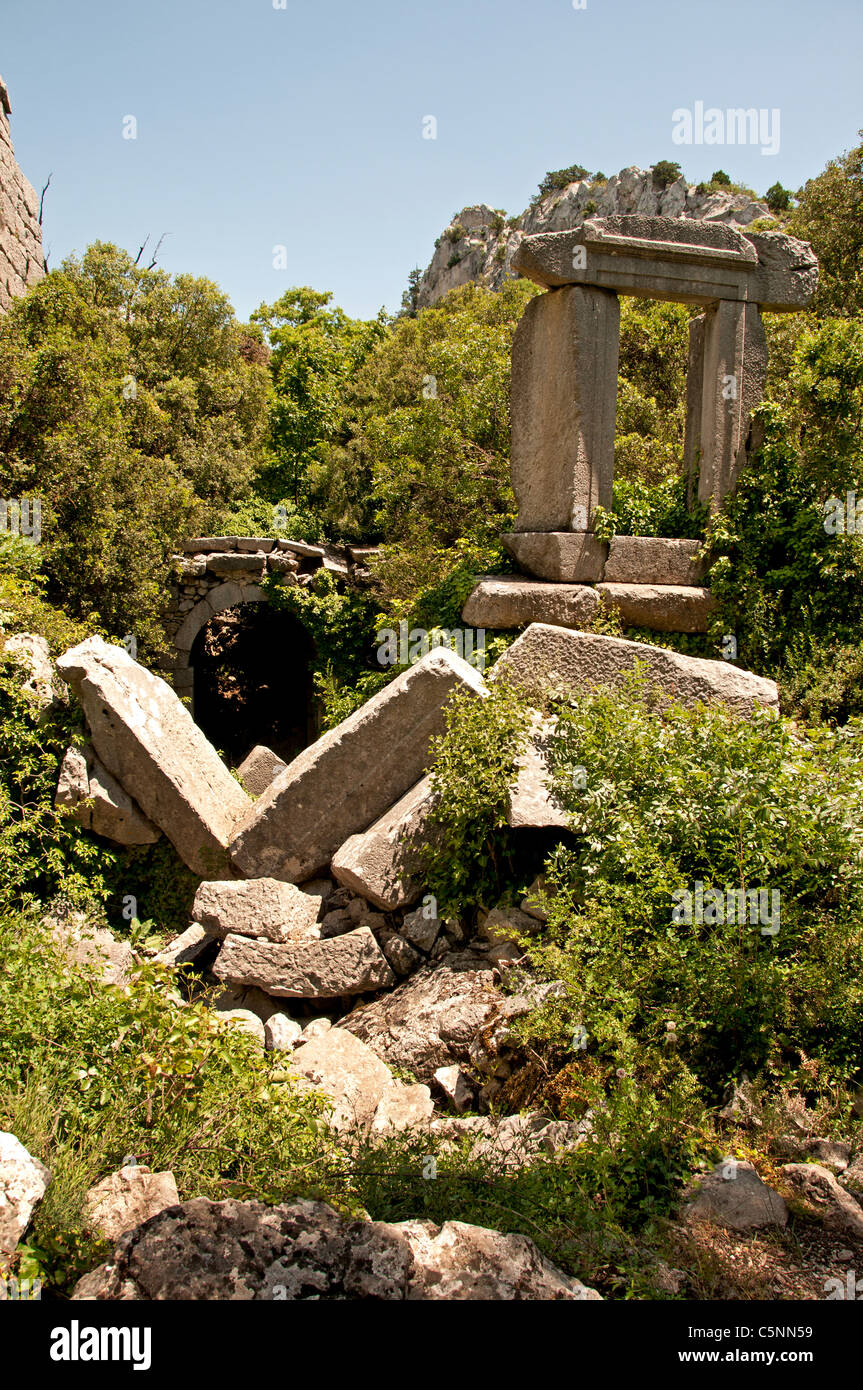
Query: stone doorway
[253, 682]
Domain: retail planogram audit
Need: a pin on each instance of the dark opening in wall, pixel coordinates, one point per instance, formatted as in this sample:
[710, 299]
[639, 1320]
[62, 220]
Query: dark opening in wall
[253, 682]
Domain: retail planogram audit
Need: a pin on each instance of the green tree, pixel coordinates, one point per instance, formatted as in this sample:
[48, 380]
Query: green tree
[315, 352]
[777, 198]
[829, 214]
[665, 172]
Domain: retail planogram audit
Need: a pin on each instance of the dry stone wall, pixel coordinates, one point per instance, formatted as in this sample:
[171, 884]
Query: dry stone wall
[22, 261]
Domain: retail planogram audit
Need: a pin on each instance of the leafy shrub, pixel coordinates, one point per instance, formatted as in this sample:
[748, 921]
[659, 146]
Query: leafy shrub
[558, 179]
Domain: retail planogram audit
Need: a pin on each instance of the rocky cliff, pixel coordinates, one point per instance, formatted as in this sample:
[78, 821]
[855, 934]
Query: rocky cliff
[22, 261]
[480, 242]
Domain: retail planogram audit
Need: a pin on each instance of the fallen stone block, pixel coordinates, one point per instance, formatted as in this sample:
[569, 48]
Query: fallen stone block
[386, 862]
[820, 1190]
[546, 658]
[349, 964]
[653, 560]
[244, 1019]
[281, 1033]
[372, 758]
[260, 769]
[23, 1183]
[264, 907]
[663, 607]
[508, 601]
[402, 1107]
[127, 1198]
[247, 999]
[32, 652]
[566, 557]
[148, 741]
[421, 928]
[456, 1086]
[208, 1251]
[357, 1082]
[94, 948]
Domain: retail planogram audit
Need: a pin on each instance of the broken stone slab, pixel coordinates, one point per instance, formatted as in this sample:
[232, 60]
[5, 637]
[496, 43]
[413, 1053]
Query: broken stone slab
[566, 557]
[734, 1196]
[546, 658]
[97, 801]
[430, 1020]
[421, 928]
[402, 1107]
[349, 964]
[663, 607]
[822, 1193]
[255, 543]
[508, 601]
[378, 753]
[128, 1198]
[146, 738]
[532, 803]
[265, 907]
[236, 565]
[23, 1183]
[186, 947]
[309, 552]
[386, 862]
[403, 958]
[202, 545]
[304, 1250]
[563, 399]
[456, 1086]
[653, 560]
[260, 769]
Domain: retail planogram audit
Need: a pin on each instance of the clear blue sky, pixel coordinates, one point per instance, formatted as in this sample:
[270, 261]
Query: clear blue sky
[302, 126]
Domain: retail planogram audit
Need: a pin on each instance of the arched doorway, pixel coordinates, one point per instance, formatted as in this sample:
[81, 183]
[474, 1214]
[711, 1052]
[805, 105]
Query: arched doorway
[252, 682]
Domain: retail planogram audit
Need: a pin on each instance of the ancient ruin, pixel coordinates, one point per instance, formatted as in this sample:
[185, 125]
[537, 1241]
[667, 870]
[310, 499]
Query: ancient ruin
[22, 262]
[563, 407]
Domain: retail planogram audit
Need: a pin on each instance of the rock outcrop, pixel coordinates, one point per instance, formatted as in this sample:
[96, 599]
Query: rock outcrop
[207, 1250]
[23, 1184]
[22, 260]
[479, 244]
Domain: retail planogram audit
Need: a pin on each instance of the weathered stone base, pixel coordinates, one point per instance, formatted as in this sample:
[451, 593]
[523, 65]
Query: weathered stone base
[663, 607]
[567, 557]
[508, 601]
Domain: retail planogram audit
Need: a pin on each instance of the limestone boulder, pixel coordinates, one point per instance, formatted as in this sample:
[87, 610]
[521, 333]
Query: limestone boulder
[185, 948]
[31, 651]
[264, 907]
[97, 801]
[546, 658]
[23, 1183]
[349, 964]
[508, 601]
[354, 773]
[127, 1198]
[145, 737]
[363, 1092]
[385, 863]
[430, 1020]
[734, 1196]
[281, 1033]
[532, 802]
[304, 1250]
[818, 1188]
[94, 948]
[259, 769]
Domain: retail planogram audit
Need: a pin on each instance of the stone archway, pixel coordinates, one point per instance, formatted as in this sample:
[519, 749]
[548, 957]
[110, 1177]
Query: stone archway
[217, 600]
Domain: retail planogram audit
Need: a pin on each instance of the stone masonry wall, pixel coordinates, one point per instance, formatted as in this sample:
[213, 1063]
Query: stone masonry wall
[22, 261]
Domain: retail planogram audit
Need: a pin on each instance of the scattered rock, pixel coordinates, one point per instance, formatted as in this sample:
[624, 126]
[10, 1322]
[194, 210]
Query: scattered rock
[532, 902]
[127, 1198]
[420, 929]
[251, 1000]
[95, 948]
[734, 1196]
[148, 741]
[386, 862]
[456, 1086]
[402, 1107]
[281, 1033]
[357, 1082]
[829, 1153]
[349, 964]
[262, 907]
[98, 802]
[184, 948]
[23, 1183]
[430, 1020]
[400, 954]
[245, 1019]
[207, 1251]
[32, 652]
[819, 1189]
[532, 803]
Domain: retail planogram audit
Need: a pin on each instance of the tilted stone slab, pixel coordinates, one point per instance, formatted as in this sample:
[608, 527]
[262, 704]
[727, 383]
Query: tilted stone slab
[532, 804]
[546, 658]
[203, 545]
[146, 738]
[257, 907]
[260, 769]
[664, 607]
[352, 774]
[97, 801]
[566, 557]
[349, 964]
[384, 864]
[509, 601]
[653, 560]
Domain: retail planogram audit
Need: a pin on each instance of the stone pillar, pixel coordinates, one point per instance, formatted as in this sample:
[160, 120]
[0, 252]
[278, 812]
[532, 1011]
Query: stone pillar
[734, 372]
[563, 406]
